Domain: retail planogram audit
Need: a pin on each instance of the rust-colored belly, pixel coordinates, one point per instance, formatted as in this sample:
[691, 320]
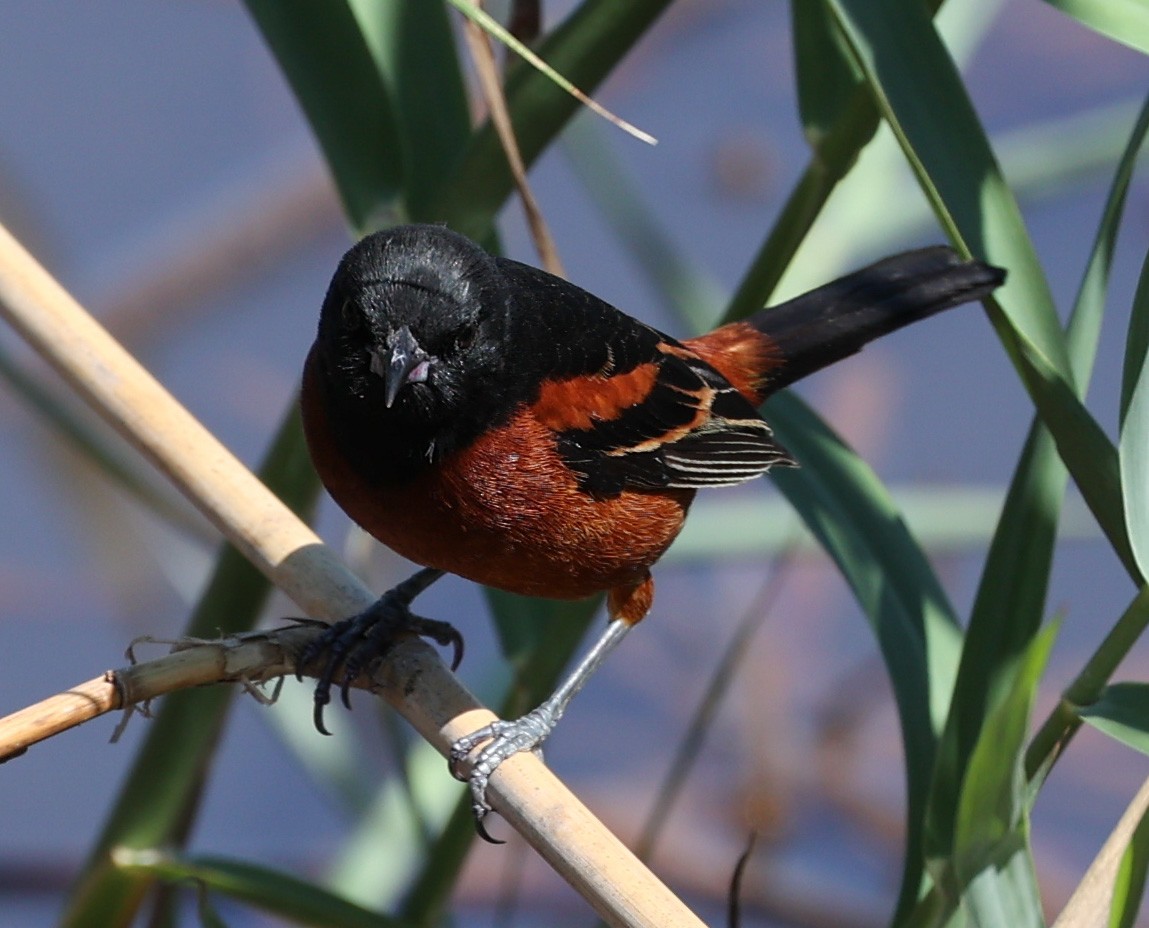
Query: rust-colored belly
[508, 513]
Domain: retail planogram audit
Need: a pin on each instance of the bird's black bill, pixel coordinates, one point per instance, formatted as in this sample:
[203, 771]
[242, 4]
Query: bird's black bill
[408, 363]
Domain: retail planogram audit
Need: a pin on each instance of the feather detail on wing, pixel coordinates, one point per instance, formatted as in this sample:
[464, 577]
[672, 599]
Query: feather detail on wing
[673, 423]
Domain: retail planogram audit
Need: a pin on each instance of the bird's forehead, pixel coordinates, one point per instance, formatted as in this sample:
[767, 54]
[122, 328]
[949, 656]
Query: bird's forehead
[394, 303]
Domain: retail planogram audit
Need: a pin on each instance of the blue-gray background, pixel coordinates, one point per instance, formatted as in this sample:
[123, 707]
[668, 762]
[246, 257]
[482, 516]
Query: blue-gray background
[136, 137]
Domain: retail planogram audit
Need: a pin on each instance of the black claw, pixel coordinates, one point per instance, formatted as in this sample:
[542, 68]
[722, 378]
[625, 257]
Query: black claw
[355, 644]
[481, 830]
[457, 658]
[317, 714]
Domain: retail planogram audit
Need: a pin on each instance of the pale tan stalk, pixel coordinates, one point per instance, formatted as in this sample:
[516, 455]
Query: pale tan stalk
[413, 679]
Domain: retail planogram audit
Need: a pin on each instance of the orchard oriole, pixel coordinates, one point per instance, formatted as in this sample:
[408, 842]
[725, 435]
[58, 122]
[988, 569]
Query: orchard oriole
[486, 418]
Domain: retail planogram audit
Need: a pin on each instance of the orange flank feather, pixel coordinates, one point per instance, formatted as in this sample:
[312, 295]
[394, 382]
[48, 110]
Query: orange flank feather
[579, 402]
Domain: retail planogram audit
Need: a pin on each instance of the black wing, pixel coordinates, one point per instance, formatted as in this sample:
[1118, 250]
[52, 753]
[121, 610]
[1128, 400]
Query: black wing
[632, 408]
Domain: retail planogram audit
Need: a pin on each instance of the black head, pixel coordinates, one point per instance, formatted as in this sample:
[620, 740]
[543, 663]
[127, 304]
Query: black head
[410, 346]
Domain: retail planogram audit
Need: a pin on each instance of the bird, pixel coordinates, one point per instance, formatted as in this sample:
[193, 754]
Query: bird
[485, 418]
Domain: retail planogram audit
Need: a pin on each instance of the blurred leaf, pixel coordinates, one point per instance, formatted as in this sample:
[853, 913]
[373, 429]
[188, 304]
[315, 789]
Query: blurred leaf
[848, 510]
[836, 153]
[157, 803]
[839, 118]
[1126, 21]
[1129, 886]
[538, 637]
[413, 46]
[1133, 451]
[391, 839]
[993, 801]
[913, 80]
[1122, 712]
[585, 48]
[429, 893]
[1086, 688]
[338, 765]
[272, 891]
[327, 61]
[1011, 597]
[674, 274]
[206, 911]
[988, 872]
[106, 453]
[943, 519]
[829, 82]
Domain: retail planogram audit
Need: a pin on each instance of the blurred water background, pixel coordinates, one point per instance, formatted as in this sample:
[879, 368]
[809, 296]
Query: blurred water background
[153, 158]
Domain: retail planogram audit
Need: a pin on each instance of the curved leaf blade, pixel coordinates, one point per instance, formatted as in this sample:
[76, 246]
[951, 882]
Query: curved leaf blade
[327, 61]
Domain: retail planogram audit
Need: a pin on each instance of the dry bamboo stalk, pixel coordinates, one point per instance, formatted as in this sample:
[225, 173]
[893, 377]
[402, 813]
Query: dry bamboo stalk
[483, 56]
[1091, 901]
[413, 679]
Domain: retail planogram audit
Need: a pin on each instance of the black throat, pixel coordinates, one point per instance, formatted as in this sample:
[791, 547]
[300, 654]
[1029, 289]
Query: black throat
[393, 446]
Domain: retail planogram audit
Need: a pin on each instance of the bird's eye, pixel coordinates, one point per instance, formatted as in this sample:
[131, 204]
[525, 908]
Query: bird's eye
[464, 339]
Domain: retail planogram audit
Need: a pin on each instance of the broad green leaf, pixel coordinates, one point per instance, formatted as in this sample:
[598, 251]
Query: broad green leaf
[988, 874]
[1136, 341]
[270, 890]
[1122, 712]
[1011, 596]
[327, 61]
[1004, 893]
[829, 82]
[413, 46]
[1126, 21]
[1007, 612]
[993, 801]
[1134, 457]
[913, 80]
[1086, 688]
[1133, 448]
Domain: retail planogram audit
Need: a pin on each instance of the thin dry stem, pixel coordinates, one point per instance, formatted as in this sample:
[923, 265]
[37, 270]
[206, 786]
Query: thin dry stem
[483, 54]
[412, 679]
[475, 13]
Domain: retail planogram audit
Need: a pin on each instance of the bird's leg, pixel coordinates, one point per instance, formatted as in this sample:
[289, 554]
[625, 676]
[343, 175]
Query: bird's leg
[353, 644]
[501, 739]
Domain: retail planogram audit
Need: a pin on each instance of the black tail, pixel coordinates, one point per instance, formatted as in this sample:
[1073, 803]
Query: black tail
[825, 325]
